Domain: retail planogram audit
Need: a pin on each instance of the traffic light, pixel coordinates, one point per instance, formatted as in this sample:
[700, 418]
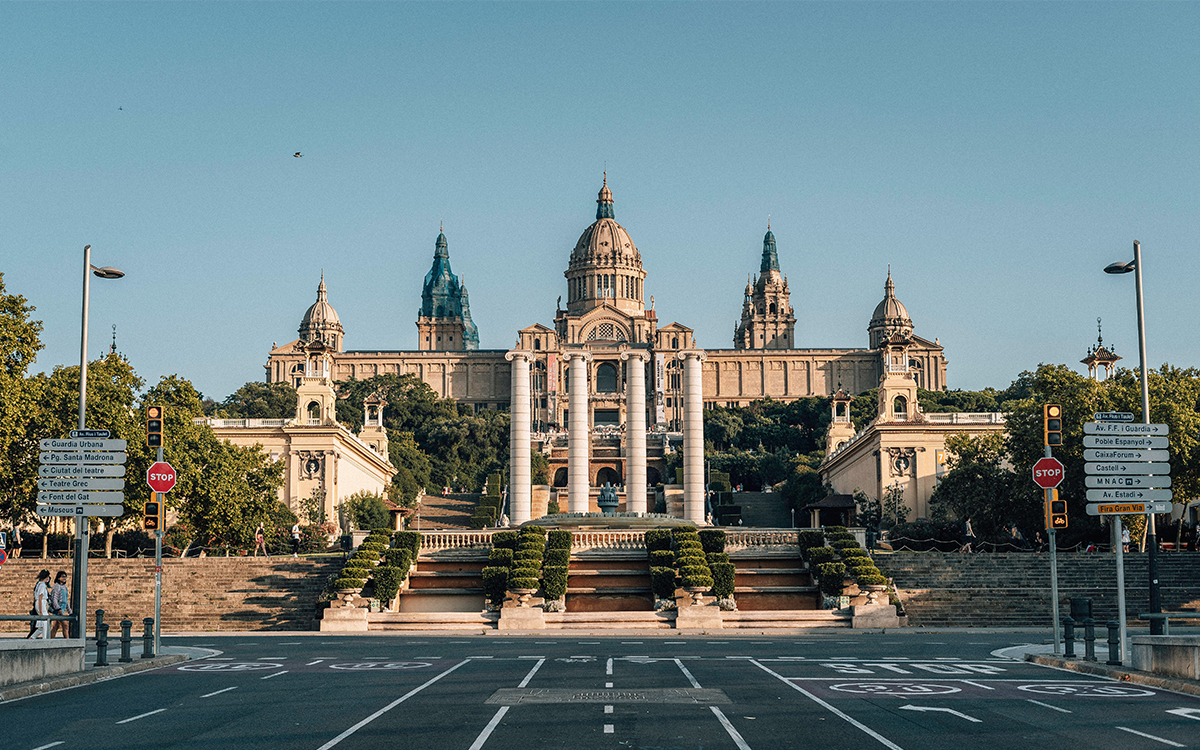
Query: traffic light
[154, 426]
[1052, 424]
[1056, 511]
[151, 512]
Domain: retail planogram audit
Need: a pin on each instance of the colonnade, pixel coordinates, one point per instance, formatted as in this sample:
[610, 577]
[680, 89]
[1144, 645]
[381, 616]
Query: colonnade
[579, 434]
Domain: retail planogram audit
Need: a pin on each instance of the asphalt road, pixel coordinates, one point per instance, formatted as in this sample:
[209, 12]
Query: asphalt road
[843, 690]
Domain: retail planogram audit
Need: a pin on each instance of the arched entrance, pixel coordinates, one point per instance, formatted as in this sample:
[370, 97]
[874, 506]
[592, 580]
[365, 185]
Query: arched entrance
[607, 475]
[560, 478]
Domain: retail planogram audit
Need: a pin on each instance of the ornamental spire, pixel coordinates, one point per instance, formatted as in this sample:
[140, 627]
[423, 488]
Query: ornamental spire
[605, 200]
[770, 258]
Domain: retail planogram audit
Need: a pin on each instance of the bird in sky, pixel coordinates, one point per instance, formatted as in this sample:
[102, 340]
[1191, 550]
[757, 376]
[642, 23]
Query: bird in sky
[297, 154]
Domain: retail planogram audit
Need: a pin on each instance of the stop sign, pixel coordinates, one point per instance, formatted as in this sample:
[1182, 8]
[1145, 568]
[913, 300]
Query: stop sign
[161, 477]
[1048, 473]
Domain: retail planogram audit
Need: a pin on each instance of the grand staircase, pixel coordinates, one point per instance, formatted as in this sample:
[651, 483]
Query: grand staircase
[450, 512]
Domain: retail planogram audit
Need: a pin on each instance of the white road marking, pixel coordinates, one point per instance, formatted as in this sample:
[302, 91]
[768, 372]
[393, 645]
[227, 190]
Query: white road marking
[479, 657]
[1047, 705]
[940, 709]
[532, 672]
[271, 658]
[979, 685]
[837, 712]
[274, 674]
[290, 643]
[318, 661]
[608, 684]
[608, 709]
[1187, 713]
[608, 667]
[531, 657]
[733, 733]
[390, 706]
[686, 673]
[52, 744]
[142, 716]
[674, 643]
[1151, 737]
[487, 731]
[608, 728]
[226, 690]
[631, 643]
[220, 658]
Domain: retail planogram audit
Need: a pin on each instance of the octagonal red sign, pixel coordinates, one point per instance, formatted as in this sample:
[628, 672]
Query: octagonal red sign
[1048, 473]
[161, 477]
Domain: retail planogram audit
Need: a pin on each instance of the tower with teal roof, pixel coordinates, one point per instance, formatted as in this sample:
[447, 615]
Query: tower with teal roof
[444, 320]
[768, 321]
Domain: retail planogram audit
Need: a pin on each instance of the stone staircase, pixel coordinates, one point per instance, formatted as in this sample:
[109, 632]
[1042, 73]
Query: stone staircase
[1013, 589]
[450, 512]
[206, 594]
[609, 583]
[763, 510]
[444, 585]
[764, 581]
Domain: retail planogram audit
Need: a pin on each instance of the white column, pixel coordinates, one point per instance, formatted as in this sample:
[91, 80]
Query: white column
[520, 492]
[578, 433]
[693, 436]
[635, 431]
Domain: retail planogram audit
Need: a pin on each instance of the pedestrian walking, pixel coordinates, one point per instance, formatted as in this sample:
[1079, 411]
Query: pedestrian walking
[16, 541]
[60, 604]
[260, 541]
[1125, 540]
[968, 537]
[296, 539]
[41, 605]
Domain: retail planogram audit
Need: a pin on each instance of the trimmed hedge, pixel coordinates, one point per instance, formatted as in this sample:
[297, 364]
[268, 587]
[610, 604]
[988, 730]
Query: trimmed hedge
[556, 557]
[713, 540]
[809, 539]
[661, 558]
[818, 555]
[687, 536]
[410, 540]
[717, 557]
[722, 575]
[658, 539]
[689, 545]
[534, 529]
[528, 554]
[555, 578]
[495, 583]
[835, 529]
[387, 582]
[690, 559]
[500, 556]
[677, 530]
[852, 552]
[523, 583]
[349, 583]
[504, 540]
[662, 581]
[559, 539]
[831, 577]
[524, 570]
[870, 579]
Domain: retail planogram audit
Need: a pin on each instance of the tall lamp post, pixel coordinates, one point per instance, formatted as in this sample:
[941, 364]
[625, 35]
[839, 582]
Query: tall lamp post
[79, 569]
[1135, 265]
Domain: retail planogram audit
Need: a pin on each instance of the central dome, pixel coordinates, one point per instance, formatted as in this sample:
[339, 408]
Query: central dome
[605, 237]
[605, 266]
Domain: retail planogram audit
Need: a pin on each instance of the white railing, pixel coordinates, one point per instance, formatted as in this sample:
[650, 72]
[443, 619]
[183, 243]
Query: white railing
[242, 422]
[614, 540]
[432, 541]
[965, 418]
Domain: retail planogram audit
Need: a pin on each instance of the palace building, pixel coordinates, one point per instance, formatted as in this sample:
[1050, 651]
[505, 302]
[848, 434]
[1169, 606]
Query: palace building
[606, 388]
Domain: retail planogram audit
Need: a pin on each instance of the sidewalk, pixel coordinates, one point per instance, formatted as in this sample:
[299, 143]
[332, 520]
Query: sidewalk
[92, 673]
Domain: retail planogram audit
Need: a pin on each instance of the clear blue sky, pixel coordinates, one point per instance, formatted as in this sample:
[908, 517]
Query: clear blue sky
[997, 156]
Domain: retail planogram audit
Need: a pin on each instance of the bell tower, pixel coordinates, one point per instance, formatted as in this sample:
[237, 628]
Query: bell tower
[315, 398]
[768, 321]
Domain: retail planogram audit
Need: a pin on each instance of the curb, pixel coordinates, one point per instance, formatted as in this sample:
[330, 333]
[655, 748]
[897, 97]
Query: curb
[1123, 674]
[98, 674]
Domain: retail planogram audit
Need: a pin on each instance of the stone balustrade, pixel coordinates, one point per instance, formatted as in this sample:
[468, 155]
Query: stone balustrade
[607, 539]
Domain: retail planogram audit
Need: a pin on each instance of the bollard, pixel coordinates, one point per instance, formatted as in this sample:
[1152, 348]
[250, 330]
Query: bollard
[126, 640]
[101, 644]
[99, 619]
[147, 637]
[1114, 643]
[1068, 626]
[1089, 639]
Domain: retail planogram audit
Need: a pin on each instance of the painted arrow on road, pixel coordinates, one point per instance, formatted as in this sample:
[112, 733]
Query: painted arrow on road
[911, 707]
[1187, 713]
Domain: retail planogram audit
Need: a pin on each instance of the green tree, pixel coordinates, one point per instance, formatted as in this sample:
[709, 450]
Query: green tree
[366, 510]
[256, 400]
[539, 468]
[19, 396]
[978, 487]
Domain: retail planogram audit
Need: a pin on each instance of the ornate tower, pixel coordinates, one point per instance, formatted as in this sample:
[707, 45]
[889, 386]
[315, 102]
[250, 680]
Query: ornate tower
[444, 321]
[605, 267]
[321, 324]
[890, 317]
[768, 321]
[1100, 357]
[841, 427]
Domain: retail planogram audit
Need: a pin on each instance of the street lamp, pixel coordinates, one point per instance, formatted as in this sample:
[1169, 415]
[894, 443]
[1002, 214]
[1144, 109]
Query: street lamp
[79, 569]
[1135, 265]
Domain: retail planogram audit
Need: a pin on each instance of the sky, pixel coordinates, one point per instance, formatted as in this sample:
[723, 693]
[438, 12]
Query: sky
[997, 156]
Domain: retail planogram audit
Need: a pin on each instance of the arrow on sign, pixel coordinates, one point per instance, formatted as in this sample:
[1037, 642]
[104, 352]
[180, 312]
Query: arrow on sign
[911, 707]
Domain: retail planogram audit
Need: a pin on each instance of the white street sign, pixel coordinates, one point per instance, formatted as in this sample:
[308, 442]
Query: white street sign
[81, 444]
[1128, 496]
[81, 470]
[81, 457]
[1144, 482]
[1113, 416]
[80, 498]
[64, 484]
[1123, 428]
[1127, 468]
[1125, 454]
[110, 511]
[1123, 441]
[1125, 509]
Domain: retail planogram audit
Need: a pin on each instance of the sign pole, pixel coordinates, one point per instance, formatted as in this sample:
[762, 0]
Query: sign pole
[1052, 534]
[158, 537]
[78, 628]
[1120, 548]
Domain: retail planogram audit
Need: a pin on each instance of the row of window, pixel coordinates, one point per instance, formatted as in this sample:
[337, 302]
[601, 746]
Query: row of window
[605, 285]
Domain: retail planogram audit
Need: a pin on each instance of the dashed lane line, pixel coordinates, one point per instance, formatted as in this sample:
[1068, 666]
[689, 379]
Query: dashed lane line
[608, 709]
[1151, 737]
[978, 685]
[1047, 705]
[532, 672]
[834, 710]
[389, 707]
[608, 685]
[608, 667]
[218, 692]
[733, 733]
[271, 658]
[142, 716]
[52, 744]
[487, 731]
[608, 728]
[318, 661]
[275, 674]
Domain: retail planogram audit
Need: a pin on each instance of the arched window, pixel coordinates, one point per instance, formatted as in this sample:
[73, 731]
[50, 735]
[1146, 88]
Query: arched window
[675, 342]
[772, 308]
[606, 378]
[900, 408]
[314, 410]
[537, 344]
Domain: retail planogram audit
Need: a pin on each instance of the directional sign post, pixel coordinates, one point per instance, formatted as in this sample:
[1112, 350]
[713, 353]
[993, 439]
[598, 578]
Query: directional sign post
[1124, 509]
[161, 478]
[1154, 497]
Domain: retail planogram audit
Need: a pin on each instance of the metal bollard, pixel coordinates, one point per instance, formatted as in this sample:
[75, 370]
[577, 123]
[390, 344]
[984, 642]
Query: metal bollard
[99, 618]
[1089, 639]
[147, 637]
[101, 644]
[1068, 637]
[1114, 643]
[126, 641]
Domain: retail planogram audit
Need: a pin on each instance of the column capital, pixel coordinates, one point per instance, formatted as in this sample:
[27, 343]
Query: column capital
[641, 354]
[519, 353]
[581, 356]
[699, 354]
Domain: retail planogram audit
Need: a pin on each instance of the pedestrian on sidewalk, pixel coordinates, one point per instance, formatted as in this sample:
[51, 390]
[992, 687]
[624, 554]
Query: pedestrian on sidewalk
[1125, 539]
[60, 604]
[968, 537]
[260, 541]
[296, 539]
[41, 605]
[16, 541]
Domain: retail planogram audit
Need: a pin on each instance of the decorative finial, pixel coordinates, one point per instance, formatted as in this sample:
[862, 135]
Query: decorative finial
[1099, 334]
[441, 226]
[605, 175]
[113, 350]
[768, 222]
